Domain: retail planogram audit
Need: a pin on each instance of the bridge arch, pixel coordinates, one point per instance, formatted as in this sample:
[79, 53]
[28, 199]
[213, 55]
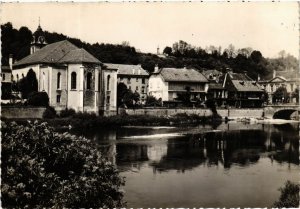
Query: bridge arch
[284, 114]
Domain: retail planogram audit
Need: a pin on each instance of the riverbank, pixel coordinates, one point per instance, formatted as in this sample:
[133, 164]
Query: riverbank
[90, 121]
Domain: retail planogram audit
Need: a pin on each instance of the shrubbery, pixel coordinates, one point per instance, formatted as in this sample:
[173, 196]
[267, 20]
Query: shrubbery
[67, 113]
[289, 197]
[38, 99]
[41, 168]
[50, 112]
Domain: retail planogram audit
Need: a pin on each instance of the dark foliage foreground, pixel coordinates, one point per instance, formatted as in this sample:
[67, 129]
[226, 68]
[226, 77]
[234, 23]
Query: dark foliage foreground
[289, 197]
[41, 168]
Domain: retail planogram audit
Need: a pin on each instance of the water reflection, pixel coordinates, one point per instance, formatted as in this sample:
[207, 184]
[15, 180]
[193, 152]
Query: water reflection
[215, 166]
[238, 147]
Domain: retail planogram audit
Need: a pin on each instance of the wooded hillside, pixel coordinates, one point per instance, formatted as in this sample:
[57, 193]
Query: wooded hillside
[17, 42]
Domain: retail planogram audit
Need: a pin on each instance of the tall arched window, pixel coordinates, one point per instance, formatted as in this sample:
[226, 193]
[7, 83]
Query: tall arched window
[58, 80]
[88, 80]
[43, 80]
[108, 82]
[99, 81]
[73, 80]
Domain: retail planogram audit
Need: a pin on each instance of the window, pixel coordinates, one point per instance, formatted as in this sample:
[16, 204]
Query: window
[137, 79]
[58, 98]
[43, 80]
[3, 76]
[137, 88]
[143, 89]
[17, 77]
[128, 81]
[58, 80]
[23, 75]
[107, 100]
[73, 80]
[129, 87]
[88, 80]
[292, 87]
[143, 80]
[99, 80]
[108, 82]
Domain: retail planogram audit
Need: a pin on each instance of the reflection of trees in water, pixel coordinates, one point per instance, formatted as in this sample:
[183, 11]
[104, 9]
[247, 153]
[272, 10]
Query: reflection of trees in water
[285, 142]
[242, 148]
[226, 148]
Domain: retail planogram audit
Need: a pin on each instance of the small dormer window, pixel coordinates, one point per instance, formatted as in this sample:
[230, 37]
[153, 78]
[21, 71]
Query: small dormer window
[242, 82]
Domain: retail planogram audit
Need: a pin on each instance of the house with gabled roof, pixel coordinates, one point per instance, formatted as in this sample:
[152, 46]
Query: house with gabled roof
[289, 79]
[168, 83]
[133, 76]
[242, 90]
[71, 76]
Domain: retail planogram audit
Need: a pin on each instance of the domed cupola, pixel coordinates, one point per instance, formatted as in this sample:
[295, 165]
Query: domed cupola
[38, 40]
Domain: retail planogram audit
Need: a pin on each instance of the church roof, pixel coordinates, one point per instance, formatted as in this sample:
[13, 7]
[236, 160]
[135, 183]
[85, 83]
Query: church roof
[124, 69]
[58, 52]
[182, 75]
[79, 56]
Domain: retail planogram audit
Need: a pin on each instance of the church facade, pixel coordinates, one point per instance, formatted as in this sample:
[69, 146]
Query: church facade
[71, 76]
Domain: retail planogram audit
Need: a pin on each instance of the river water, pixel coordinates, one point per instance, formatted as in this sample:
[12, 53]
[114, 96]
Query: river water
[231, 165]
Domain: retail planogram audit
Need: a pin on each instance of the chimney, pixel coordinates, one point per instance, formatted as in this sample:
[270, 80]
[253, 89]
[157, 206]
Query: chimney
[258, 77]
[274, 73]
[10, 60]
[156, 68]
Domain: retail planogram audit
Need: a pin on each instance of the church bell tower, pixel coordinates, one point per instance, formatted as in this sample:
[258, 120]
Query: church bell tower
[38, 40]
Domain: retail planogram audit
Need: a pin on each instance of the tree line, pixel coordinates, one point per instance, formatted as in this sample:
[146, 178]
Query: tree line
[180, 54]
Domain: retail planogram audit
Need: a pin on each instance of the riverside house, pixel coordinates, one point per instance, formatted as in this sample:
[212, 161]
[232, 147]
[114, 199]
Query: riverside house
[133, 76]
[168, 83]
[288, 79]
[71, 76]
[242, 90]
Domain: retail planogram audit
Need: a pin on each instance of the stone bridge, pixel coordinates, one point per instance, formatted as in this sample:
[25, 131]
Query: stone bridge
[281, 111]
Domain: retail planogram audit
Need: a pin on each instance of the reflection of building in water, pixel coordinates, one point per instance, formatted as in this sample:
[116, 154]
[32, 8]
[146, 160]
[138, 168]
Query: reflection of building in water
[181, 155]
[243, 148]
[157, 151]
[131, 152]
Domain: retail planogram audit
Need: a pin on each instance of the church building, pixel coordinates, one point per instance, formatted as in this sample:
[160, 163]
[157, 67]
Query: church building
[71, 76]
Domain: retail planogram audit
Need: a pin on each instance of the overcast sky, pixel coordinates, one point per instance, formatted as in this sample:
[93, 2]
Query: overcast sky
[265, 26]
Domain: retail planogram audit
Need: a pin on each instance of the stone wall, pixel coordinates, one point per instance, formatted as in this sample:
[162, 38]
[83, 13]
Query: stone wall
[22, 112]
[230, 113]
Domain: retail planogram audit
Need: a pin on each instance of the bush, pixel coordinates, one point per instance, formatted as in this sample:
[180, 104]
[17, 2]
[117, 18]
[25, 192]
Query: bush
[67, 113]
[289, 197]
[38, 99]
[41, 168]
[50, 112]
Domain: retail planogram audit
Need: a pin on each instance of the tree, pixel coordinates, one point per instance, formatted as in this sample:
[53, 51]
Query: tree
[256, 56]
[167, 50]
[126, 97]
[280, 95]
[185, 97]
[28, 84]
[121, 91]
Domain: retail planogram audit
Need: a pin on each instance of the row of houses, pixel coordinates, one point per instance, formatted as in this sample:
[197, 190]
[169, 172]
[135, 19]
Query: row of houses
[73, 78]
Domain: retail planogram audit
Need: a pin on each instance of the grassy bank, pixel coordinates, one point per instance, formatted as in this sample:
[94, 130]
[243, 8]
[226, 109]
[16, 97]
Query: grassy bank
[90, 121]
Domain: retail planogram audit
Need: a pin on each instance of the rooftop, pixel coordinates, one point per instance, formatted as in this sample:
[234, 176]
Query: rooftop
[124, 69]
[58, 52]
[182, 75]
